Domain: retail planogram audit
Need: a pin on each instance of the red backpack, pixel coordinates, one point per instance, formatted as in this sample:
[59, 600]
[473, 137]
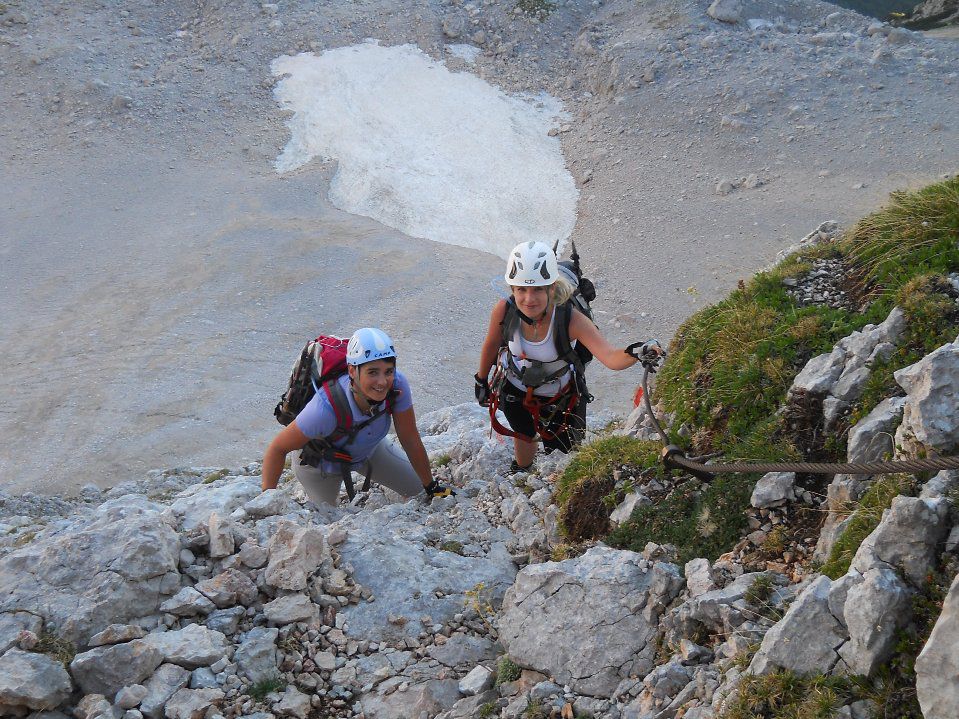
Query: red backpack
[321, 363]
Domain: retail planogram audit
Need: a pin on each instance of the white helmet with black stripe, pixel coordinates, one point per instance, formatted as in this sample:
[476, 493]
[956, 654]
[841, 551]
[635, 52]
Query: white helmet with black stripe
[531, 264]
[368, 345]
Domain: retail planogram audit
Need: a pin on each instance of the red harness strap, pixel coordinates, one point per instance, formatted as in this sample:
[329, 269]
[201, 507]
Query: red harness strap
[534, 405]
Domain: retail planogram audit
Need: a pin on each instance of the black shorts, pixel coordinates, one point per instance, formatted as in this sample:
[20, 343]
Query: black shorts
[521, 421]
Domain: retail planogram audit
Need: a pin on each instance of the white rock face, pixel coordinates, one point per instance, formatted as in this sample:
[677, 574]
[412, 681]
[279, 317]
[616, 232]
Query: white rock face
[930, 420]
[108, 569]
[599, 612]
[195, 503]
[937, 666]
[30, 681]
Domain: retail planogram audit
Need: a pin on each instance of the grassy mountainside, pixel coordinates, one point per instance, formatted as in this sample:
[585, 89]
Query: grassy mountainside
[730, 366]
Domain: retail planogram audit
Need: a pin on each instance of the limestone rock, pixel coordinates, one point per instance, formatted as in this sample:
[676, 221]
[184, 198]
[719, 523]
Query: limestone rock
[117, 634]
[874, 610]
[191, 647]
[805, 640]
[229, 588]
[12, 623]
[428, 698]
[191, 703]
[773, 490]
[188, 602]
[103, 569]
[930, 420]
[195, 503]
[268, 503]
[221, 535]
[906, 538]
[938, 663]
[256, 656]
[130, 696]
[477, 681]
[625, 508]
[294, 703]
[295, 553]
[289, 609]
[601, 611]
[105, 670]
[30, 681]
[871, 438]
[164, 683]
[725, 10]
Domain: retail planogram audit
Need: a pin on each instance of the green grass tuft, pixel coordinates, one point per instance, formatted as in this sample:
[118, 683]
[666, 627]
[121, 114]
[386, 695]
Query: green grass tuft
[264, 687]
[785, 695]
[507, 671]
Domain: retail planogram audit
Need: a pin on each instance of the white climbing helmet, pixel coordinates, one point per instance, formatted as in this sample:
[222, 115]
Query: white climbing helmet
[531, 264]
[367, 345]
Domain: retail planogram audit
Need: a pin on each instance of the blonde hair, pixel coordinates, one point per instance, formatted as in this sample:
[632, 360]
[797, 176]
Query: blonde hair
[561, 290]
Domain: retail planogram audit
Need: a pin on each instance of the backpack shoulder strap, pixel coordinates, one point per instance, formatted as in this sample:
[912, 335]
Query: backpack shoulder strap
[510, 321]
[564, 346]
[341, 410]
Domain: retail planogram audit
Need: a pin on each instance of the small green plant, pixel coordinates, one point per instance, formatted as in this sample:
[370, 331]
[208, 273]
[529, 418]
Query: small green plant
[442, 460]
[53, 645]
[487, 710]
[759, 591]
[865, 519]
[507, 670]
[785, 694]
[24, 539]
[262, 688]
[536, 710]
[479, 599]
[451, 545]
[214, 476]
[539, 9]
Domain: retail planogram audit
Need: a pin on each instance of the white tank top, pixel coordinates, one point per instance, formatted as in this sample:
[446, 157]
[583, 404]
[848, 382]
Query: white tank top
[545, 350]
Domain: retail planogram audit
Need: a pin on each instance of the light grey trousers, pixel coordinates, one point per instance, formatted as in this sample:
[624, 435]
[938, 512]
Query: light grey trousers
[388, 465]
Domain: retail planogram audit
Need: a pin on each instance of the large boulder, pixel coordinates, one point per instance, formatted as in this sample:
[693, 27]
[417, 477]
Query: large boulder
[874, 610]
[423, 577]
[295, 553]
[107, 568]
[31, 681]
[806, 639]
[930, 420]
[591, 621]
[107, 669]
[937, 666]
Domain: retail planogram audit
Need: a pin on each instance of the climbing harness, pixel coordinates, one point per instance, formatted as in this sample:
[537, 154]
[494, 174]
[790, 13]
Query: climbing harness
[673, 457]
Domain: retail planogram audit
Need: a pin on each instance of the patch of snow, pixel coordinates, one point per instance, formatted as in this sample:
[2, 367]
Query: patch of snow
[439, 155]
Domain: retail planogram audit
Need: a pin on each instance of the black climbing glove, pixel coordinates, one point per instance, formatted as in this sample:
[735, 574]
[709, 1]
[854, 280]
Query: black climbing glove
[481, 390]
[435, 489]
[650, 353]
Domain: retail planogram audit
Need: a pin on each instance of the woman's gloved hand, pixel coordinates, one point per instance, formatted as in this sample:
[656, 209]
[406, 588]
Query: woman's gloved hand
[481, 390]
[649, 353]
[435, 489]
